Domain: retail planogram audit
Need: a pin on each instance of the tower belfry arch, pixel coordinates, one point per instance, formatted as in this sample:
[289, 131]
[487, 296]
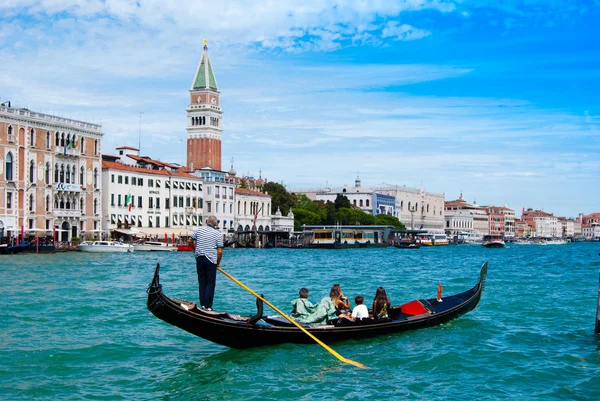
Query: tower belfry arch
[204, 118]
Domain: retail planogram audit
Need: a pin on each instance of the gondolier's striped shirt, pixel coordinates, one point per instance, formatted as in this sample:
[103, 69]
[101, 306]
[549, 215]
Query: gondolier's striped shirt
[207, 240]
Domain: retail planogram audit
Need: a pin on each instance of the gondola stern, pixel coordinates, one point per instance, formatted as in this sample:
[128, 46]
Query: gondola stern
[154, 290]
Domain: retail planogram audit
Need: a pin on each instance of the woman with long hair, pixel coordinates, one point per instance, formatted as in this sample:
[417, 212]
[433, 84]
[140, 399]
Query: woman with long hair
[381, 304]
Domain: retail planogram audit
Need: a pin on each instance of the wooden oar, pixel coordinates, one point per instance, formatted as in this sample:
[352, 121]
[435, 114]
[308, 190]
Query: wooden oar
[321, 343]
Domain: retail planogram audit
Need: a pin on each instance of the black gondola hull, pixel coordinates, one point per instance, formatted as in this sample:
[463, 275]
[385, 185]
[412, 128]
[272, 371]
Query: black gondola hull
[236, 332]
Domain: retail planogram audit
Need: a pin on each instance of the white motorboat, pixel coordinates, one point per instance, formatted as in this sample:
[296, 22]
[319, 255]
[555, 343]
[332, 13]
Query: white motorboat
[104, 246]
[150, 246]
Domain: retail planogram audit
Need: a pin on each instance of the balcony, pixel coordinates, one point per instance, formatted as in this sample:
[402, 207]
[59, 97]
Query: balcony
[64, 150]
[67, 213]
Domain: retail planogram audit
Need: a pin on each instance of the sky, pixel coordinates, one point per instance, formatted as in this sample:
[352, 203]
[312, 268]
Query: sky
[499, 101]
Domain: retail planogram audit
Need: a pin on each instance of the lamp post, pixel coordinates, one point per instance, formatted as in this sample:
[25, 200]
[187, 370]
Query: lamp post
[412, 211]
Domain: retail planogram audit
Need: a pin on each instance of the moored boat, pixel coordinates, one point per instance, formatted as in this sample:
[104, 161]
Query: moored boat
[151, 246]
[104, 246]
[493, 241]
[434, 239]
[238, 331]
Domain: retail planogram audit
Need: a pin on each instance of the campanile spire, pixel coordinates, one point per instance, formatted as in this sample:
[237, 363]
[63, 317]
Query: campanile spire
[204, 118]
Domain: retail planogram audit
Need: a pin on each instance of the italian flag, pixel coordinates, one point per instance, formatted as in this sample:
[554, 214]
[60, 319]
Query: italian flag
[128, 202]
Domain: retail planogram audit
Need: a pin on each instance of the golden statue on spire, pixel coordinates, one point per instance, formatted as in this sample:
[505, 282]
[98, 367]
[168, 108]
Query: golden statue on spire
[204, 42]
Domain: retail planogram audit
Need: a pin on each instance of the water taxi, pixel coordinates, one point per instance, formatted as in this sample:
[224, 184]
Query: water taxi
[434, 239]
[493, 241]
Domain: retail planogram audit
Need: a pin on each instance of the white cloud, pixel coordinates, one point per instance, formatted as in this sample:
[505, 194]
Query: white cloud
[403, 32]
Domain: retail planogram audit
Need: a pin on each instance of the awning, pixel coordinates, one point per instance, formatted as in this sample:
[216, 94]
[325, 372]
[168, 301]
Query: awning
[160, 231]
[126, 231]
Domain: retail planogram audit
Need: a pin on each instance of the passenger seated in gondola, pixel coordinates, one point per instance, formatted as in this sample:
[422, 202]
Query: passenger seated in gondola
[302, 306]
[329, 308]
[360, 311]
[381, 304]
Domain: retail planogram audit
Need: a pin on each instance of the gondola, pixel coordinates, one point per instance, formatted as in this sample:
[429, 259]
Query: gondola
[237, 331]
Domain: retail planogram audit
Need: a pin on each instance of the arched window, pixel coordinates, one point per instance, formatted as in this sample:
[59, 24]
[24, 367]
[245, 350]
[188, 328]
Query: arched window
[367, 202]
[81, 173]
[47, 174]
[9, 166]
[47, 139]
[428, 208]
[354, 203]
[82, 145]
[62, 173]
[95, 146]
[95, 206]
[68, 140]
[31, 205]
[360, 203]
[32, 172]
[10, 131]
[409, 206]
[62, 139]
[245, 207]
[56, 172]
[68, 177]
[73, 174]
[81, 204]
[32, 138]
[95, 178]
[56, 138]
[47, 203]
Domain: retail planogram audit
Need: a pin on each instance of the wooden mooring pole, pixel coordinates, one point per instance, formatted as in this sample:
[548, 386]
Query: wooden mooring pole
[598, 310]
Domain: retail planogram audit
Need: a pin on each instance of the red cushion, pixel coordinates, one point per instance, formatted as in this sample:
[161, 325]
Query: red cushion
[413, 308]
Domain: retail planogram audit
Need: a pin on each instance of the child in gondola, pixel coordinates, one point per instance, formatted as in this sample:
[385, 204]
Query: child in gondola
[302, 306]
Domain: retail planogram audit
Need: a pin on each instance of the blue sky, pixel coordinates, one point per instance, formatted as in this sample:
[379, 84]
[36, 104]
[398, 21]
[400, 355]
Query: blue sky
[500, 102]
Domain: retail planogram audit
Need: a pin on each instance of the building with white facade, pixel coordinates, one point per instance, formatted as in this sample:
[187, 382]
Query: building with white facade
[542, 224]
[253, 210]
[50, 175]
[147, 197]
[283, 223]
[415, 208]
[463, 217]
[219, 197]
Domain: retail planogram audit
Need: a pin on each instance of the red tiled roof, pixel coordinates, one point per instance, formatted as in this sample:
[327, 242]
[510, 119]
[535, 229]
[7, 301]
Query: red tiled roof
[246, 191]
[127, 147]
[123, 167]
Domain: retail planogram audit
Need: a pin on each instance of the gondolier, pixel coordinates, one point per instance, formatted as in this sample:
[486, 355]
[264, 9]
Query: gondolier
[207, 242]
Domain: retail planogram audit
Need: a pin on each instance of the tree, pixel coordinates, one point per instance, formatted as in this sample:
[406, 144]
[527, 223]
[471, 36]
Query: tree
[304, 217]
[388, 220]
[280, 198]
[342, 201]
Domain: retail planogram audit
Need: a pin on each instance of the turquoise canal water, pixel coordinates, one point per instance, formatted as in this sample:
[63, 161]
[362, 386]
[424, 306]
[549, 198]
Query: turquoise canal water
[75, 326]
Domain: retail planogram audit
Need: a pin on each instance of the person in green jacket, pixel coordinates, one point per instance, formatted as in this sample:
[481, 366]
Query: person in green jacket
[302, 306]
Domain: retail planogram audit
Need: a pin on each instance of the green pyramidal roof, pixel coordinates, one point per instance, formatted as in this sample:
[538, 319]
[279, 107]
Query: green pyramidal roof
[205, 77]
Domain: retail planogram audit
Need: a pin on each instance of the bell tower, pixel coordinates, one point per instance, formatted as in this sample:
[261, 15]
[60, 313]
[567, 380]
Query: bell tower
[204, 118]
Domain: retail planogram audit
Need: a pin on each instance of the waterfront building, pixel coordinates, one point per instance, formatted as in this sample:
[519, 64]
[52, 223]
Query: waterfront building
[464, 217]
[522, 229]
[567, 227]
[204, 116]
[253, 211]
[543, 224]
[148, 197]
[219, 197]
[590, 225]
[415, 208]
[280, 222]
[497, 222]
[50, 169]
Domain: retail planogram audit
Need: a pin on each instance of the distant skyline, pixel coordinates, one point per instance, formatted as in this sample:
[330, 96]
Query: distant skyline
[497, 100]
